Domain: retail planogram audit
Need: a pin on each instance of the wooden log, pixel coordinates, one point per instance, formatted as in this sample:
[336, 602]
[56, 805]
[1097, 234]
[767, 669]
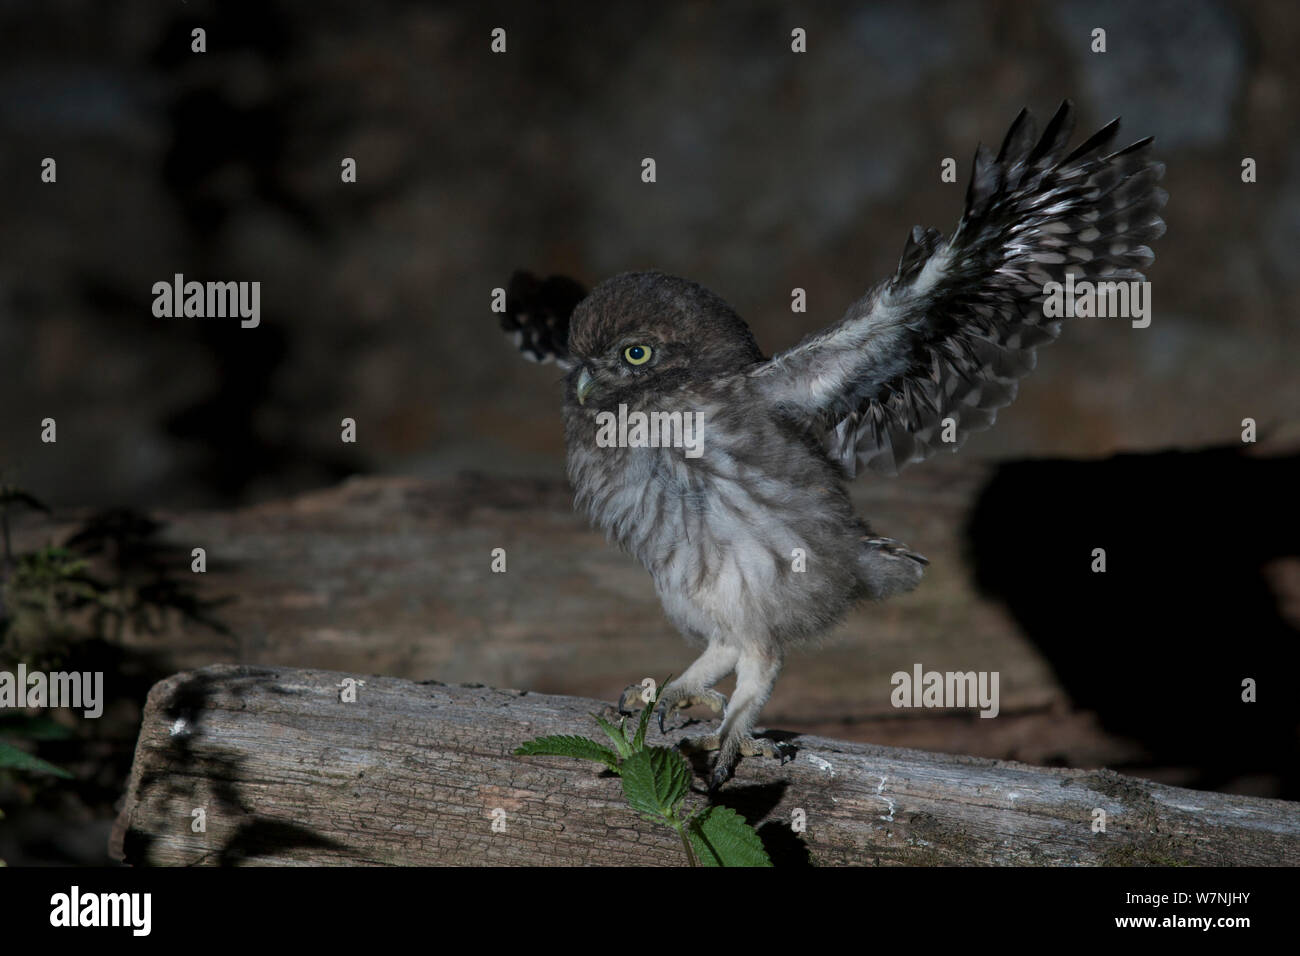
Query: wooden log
[393, 575]
[286, 772]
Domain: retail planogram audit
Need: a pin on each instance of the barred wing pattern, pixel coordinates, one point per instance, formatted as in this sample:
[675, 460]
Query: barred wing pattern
[957, 326]
[537, 315]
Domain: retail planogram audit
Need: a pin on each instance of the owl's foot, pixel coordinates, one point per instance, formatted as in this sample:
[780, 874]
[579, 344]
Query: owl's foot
[731, 750]
[675, 698]
[670, 699]
[631, 700]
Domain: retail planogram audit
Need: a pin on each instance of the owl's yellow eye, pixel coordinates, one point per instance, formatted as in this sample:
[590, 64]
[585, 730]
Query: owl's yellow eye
[637, 354]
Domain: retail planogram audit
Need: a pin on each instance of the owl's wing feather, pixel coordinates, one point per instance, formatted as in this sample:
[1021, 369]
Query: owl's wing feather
[537, 315]
[953, 331]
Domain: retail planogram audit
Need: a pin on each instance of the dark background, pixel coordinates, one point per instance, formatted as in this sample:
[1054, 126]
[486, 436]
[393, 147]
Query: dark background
[775, 171]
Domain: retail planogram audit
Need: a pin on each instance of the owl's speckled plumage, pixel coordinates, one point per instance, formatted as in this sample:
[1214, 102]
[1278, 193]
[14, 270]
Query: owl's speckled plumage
[947, 337]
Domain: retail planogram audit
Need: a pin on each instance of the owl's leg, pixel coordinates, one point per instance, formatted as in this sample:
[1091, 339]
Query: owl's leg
[756, 673]
[696, 683]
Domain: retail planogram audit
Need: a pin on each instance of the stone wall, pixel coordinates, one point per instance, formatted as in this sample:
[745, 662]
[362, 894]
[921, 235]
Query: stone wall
[775, 170]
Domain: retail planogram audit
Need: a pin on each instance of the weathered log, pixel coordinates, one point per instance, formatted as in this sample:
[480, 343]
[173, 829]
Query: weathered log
[286, 772]
[394, 575]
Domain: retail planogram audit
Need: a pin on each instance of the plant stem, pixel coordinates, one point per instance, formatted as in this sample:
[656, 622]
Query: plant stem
[686, 843]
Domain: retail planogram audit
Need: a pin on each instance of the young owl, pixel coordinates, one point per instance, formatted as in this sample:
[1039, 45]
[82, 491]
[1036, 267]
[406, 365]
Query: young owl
[748, 532]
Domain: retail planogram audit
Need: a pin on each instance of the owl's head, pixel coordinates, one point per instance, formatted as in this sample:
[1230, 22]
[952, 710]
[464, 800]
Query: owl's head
[643, 333]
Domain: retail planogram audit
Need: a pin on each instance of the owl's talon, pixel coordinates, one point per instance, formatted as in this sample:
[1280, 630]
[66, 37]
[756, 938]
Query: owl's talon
[702, 744]
[673, 699]
[762, 747]
[630, 698]
[732, 750]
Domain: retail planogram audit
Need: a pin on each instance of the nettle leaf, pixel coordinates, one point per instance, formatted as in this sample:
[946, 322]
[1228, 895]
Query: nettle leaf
[568, 746]
[40, 727]
[721, 837]
[655, 780]
[638, 741]
[12, 758]
[646, 712]
[615, 734]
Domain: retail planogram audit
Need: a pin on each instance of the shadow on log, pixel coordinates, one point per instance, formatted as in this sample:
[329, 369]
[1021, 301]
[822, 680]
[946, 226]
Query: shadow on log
[284, 772]
[1159, 645]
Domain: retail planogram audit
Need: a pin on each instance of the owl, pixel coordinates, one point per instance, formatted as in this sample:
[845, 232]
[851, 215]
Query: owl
[724, 471]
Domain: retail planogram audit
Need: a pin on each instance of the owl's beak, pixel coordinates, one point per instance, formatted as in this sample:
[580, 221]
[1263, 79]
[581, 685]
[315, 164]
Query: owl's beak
[585, 384]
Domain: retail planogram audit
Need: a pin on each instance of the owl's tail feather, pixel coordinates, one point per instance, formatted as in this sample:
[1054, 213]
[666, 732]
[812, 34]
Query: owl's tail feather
[886, 567]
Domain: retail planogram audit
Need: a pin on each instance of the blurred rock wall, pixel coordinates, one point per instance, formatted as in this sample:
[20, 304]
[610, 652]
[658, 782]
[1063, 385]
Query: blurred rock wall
[775, 170]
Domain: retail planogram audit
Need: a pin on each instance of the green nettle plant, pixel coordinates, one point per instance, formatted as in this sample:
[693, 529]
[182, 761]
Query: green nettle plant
[39, 727]
[42, 572]
[655, 783]
[52, 606]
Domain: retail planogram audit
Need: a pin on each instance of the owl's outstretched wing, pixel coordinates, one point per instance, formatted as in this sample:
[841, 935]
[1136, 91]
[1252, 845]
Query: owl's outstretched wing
[537, 315]
[953, 331]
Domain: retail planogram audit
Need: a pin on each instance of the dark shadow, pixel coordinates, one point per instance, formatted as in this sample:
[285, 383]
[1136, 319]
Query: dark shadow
[255, 836]
[268, 837]
[755, 802]
[786, 848]
[229, 152]
[1159, 644]
[153, 572]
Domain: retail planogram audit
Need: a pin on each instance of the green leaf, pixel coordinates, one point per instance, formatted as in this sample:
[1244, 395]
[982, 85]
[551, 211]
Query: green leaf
[13, 758]
[638, 740]
[655, 780]
[615, 734]
[721, 837]
[40, 727]
[568, 746]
